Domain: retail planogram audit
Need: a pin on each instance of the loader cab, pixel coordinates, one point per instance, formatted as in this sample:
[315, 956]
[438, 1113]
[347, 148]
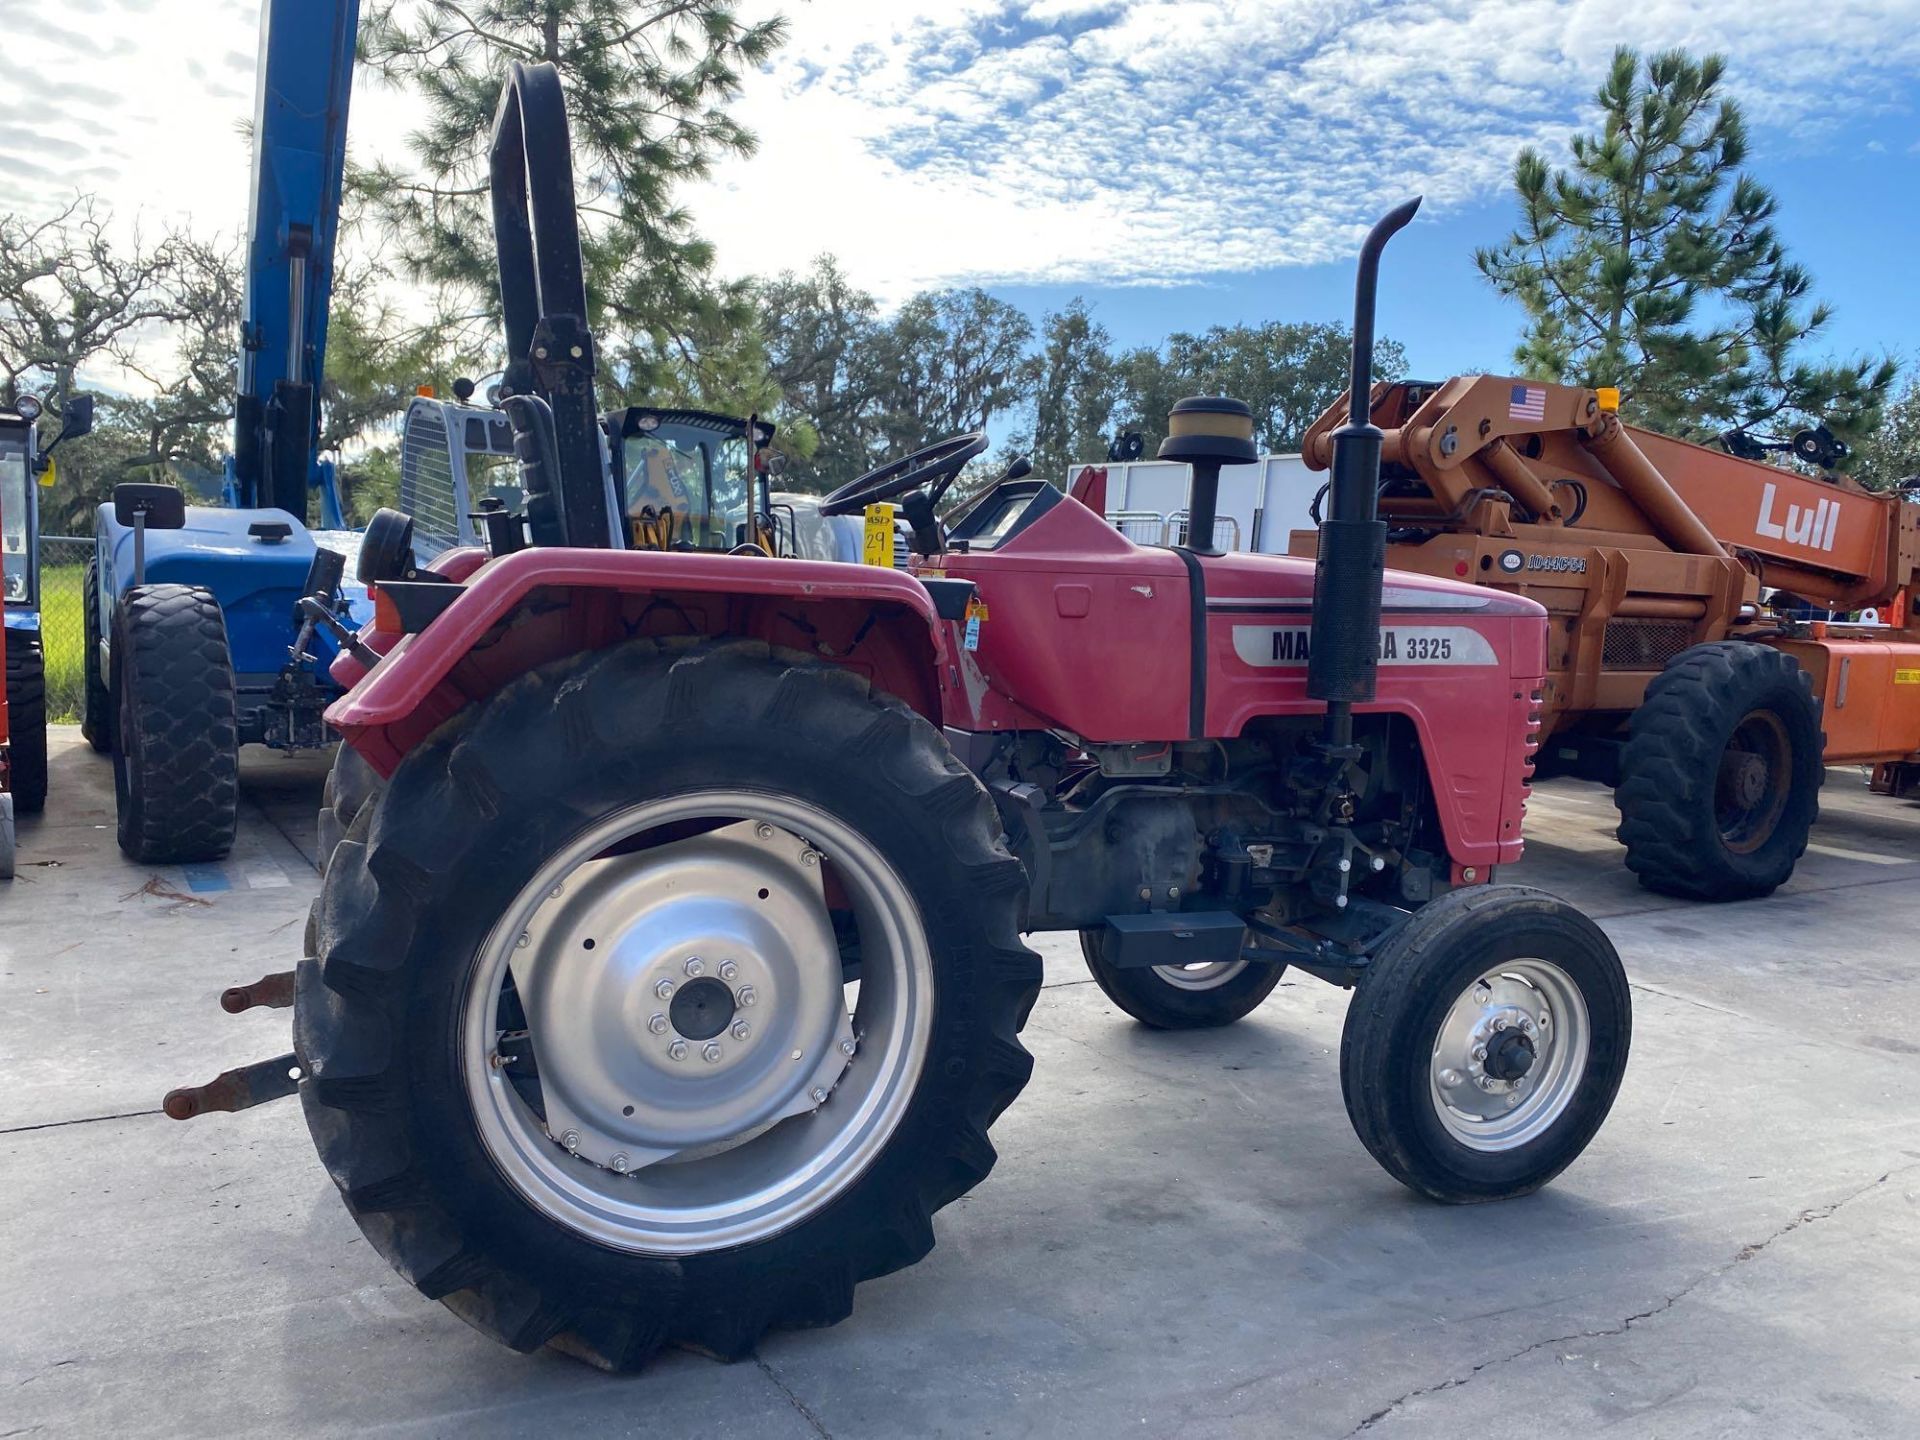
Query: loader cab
[17, 510]
[692, 479]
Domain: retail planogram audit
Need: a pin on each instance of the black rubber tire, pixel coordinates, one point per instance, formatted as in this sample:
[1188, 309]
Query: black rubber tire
[176, 758]
[27, 721]
[1670, 767]
[424, 873]
[351, 783]
[1387, 1046]
[96, 704]
[1152, 1001]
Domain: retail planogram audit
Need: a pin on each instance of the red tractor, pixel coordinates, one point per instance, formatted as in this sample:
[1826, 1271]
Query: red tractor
[669, 974]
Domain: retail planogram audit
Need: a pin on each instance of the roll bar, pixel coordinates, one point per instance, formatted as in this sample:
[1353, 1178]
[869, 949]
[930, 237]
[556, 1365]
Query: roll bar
[543, 297]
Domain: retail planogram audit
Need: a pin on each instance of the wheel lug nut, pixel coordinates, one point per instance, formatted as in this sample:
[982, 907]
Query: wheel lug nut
[677, 1050]
[728, 970]
[741, 1030]
[695, 966]
[710, 1052]
[1481, 994]
[1500, 1023]
[657, 1023]
[524, 941]
[1486, 1082]
[809, 857]
[1449, 1078]
[619, 1163]
[664, 989]
[1479, 1052]
[819, 1095]
[571, 1140]
[847, 1047]
[763, 830]
[746, 995]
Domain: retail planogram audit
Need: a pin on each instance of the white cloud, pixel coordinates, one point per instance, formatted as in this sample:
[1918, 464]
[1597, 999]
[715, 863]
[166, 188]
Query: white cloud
[1151, 140]
[1089, 141]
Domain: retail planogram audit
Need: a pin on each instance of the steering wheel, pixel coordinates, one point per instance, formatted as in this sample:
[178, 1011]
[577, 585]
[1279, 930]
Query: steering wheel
[936, 467]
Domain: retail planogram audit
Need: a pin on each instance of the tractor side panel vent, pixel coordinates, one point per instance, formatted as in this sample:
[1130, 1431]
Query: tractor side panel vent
[1643, 644]
[426, 480]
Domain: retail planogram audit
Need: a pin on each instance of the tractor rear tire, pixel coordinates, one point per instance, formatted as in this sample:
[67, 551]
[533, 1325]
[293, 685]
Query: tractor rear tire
[1190, 997]
[1441, 1011]
[176, 759]
[351, 782]
[1721, 772]
[423, 1067]
[27, 721]
[96, 704]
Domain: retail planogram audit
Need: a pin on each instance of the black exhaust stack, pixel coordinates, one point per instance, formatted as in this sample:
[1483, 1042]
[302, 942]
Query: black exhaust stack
[543, 296]
[1345, 652]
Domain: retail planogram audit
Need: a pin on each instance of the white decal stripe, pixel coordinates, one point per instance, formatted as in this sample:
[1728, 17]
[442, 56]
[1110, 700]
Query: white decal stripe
[1287, 646]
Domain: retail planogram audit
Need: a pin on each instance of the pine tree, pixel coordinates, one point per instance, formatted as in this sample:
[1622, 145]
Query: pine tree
[1652, 262]
[647, 85]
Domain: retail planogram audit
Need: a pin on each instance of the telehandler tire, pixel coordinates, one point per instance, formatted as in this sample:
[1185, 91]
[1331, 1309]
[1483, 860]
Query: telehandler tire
[676, 853]
[1721, 772]
[1181, 997]
[27, 721]
[96, 701]
[176, 757]
[1485, 1043]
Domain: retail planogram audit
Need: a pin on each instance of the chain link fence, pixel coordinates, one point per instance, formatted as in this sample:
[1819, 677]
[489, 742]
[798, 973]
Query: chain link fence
[63, 570]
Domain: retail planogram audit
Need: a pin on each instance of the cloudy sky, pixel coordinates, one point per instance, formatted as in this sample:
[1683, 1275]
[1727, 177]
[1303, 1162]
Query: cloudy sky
[1176, 161]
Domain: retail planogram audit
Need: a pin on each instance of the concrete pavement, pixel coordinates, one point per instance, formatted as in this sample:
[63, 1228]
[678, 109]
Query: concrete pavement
[1183, 1237]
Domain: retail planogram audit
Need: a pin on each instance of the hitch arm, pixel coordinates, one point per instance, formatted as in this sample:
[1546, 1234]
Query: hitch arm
[240, 1089]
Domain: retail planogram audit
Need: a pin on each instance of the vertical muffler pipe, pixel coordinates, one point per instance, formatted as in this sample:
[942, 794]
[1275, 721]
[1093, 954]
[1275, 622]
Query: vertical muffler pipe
[1345, 652]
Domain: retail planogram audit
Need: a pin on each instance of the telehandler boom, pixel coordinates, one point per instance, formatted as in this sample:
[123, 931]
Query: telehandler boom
[1675, 672]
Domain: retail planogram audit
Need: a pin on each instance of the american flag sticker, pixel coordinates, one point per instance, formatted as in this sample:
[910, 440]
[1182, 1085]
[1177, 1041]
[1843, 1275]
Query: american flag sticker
[1527, 402]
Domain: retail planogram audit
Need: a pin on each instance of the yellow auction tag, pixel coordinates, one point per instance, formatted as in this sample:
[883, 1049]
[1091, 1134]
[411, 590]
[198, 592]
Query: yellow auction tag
[879, 536]
[1906, 677]
[49, 475]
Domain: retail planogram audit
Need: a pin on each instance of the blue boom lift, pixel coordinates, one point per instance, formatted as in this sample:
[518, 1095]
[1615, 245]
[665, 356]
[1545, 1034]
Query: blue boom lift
[197, 642]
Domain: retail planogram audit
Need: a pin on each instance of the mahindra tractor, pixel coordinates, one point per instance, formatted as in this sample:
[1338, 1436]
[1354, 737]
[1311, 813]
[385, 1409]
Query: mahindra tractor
[670, 970]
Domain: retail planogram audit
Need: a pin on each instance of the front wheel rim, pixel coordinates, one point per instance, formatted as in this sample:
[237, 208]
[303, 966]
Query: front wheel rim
[1210, 975]
[788, 1080]
[1527, 1008]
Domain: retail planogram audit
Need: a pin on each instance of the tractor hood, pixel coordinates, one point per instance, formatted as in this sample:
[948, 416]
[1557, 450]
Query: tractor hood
[1288, 581]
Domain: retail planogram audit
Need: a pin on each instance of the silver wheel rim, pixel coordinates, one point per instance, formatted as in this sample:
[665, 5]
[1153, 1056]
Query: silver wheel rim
[1524, 1005]
[1209, 976]
[751, 1127]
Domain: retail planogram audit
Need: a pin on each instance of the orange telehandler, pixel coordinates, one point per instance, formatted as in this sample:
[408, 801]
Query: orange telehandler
[1678, 671]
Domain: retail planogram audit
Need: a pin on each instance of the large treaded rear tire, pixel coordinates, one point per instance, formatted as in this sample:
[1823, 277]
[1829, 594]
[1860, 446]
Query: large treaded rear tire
[351, 782]
[414, 891]
[96, 705]
[27, 721]
[1154, 1000]
[1671, 772]
[176, 761]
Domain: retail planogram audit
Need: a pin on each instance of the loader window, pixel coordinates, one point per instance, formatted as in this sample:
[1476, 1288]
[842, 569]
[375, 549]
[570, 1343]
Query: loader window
[16, 541]
[698, 473]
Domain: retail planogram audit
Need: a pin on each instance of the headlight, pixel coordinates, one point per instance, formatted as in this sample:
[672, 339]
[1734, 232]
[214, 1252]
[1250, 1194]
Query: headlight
[27, 407]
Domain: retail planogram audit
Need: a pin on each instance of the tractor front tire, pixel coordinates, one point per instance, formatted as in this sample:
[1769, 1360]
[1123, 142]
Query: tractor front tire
[27, 721]
[1181, 997]
[1721, 772]
[579, 1168]
[176, 759]
[96, 704]
[1485, 1043]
